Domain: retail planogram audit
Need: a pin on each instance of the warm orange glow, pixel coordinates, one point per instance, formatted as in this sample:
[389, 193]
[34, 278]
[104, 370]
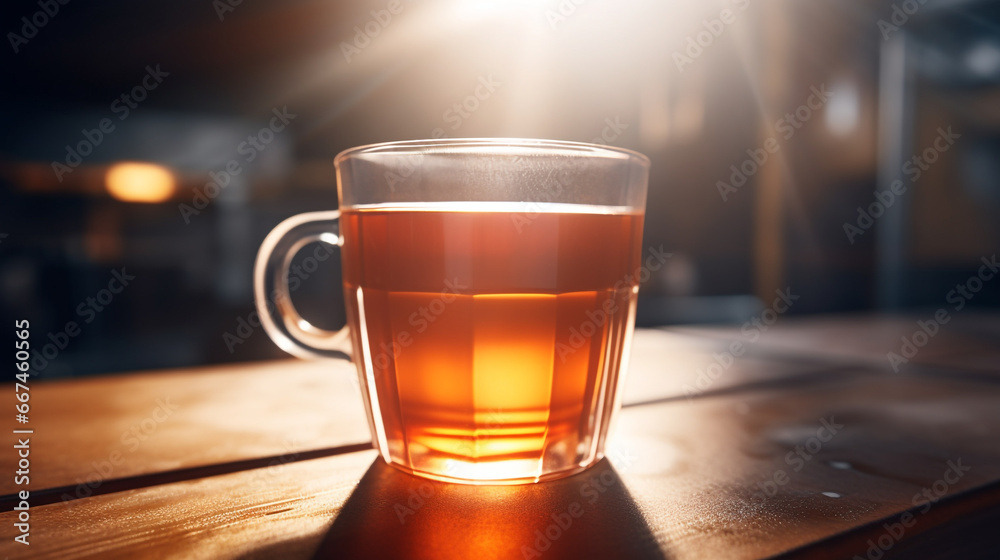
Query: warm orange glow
[140, 182]
[505, 370]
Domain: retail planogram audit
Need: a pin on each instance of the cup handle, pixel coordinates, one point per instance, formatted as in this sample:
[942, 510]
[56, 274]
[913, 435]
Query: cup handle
[283, 324]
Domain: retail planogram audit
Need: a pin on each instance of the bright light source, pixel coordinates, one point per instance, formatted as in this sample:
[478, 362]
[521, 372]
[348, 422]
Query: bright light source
[473, 10]
[140, 182]
[844, 108]
[330, 238]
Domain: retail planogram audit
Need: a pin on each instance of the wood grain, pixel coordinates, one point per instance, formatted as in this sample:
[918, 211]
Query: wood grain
[109, 428]
[724, 476]
[104, 428]
[685, 484]
[666, 365]
[967, 339]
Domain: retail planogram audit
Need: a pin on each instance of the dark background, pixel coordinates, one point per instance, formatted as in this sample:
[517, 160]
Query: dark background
[606, 62]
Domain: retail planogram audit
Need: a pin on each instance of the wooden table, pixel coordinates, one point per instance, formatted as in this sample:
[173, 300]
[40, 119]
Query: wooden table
[808, 445]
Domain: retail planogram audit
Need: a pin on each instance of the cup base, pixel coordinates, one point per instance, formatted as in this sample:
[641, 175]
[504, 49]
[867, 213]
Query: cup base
[480, 474]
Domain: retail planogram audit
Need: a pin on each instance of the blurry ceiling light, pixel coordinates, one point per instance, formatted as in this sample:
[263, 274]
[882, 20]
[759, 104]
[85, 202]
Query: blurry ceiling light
[984, 59]
[140, 182]
[844, 108]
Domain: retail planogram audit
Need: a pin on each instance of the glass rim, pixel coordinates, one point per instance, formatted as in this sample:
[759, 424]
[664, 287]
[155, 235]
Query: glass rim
[541, 146]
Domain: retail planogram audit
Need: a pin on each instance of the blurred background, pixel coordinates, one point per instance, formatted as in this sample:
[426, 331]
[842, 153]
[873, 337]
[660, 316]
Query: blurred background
[847, 150]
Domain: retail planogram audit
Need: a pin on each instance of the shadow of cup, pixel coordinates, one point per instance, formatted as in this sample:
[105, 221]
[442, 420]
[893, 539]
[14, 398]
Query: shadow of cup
[391, 514]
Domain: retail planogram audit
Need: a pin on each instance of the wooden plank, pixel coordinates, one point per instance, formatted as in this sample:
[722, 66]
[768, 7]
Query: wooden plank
[705, 471]
[959, 526]
[93, 430]
[687, 485]
[966, 340]
[283, 509]
[667, 364]
[109, 428]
